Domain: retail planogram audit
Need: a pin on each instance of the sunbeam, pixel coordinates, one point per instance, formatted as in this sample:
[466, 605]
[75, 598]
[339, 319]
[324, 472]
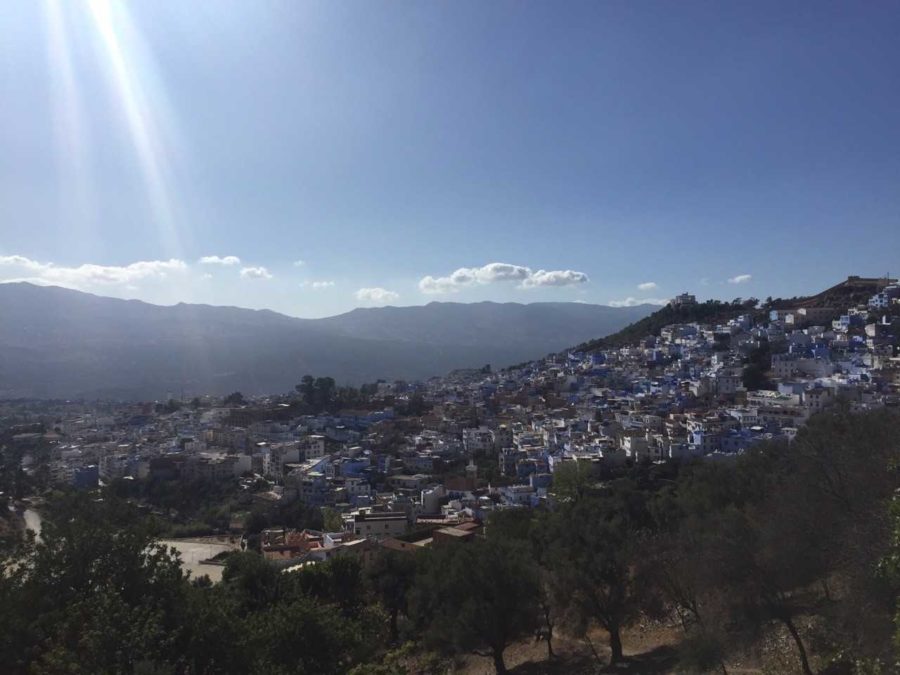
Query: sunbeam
[153, 147]
[78, 203]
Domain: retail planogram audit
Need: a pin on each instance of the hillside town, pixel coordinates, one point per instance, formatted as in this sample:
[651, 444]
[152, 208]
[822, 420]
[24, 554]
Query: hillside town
[449, 338]
[419, 464]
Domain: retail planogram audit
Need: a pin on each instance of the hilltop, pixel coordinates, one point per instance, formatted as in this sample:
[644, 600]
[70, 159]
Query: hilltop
[852, 292]
[711, 311]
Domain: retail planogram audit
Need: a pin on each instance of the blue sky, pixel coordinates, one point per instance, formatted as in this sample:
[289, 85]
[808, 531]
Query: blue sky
[602, 151]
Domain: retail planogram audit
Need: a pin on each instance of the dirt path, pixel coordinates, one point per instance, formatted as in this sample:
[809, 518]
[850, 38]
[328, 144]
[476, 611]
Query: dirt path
[194, 550]
[649, 649]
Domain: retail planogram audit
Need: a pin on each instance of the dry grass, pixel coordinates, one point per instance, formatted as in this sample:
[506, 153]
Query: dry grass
[650, 649]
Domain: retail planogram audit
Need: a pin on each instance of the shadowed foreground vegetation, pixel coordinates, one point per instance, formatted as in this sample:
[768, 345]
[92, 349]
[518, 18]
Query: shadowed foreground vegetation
[797, 543]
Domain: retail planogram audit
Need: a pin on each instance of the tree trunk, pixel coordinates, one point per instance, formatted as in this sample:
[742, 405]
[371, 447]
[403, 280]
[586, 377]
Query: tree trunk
[593, 650]
[549, 625]
[615, 645]
[395, 632]
[499, 664]
[804, 661]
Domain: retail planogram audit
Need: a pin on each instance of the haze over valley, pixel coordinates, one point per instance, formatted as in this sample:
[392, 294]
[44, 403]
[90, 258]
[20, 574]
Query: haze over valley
[56, 342]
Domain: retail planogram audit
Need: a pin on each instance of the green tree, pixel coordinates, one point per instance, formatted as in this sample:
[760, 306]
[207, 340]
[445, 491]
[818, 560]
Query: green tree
[257, 521]
[251, 582]
[788, 532]
[572, 481]
[324, 393]
[477, 596]
[510, 524]
[331, 519]
[346, 581]
[756, 365]
[307, 388]
[390, 576]
[523, 525]
[416, 406]
[235, 398]
[321, 394]
[168, 407]
[215, 631]
[300, 516]
[300, 637]
[96, 594]
[595, 571]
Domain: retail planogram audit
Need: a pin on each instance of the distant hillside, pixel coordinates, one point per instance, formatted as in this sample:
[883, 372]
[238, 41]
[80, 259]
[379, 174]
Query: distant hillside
[711, 311]
[531, 327]
[854, 291]
[56, 342]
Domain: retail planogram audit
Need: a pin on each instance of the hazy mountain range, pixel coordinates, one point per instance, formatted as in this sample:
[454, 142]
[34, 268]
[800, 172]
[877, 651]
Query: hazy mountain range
[56, 342]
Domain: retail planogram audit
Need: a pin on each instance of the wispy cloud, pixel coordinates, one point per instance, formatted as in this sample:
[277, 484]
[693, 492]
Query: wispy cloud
[299, 263]
[228, 260]
[317, 285]
[648, 286]
[89, 275]
[467, 277]
[633, 302]
[376, 296]
[256, 273]
[740, 279]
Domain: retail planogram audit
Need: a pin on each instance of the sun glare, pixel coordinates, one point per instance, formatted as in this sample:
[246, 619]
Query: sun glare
[71, 133]
[142, 104]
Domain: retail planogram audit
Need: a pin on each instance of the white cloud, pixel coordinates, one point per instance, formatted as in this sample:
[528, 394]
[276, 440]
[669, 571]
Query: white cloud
[317, 285]
[299, 263]
[740, 279]
[493, 272]
[256, 273]
[633, 302]
[648, 286]
[435, 285]
[228, 260]
[21, 261]
[88, 275]
[377, 296]
[555, 278]
[206, 277]
[467, 277]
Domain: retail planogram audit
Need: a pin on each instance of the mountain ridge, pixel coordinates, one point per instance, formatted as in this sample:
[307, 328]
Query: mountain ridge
[59, 342]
